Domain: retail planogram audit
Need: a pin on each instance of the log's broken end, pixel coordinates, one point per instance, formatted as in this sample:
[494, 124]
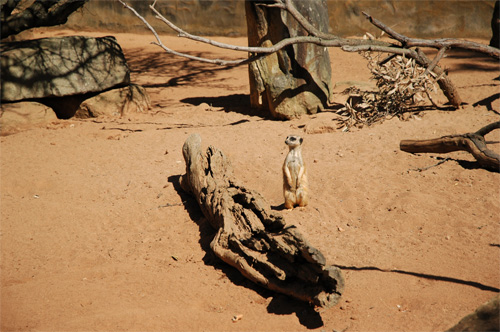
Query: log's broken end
[333, 278]
[191, 150]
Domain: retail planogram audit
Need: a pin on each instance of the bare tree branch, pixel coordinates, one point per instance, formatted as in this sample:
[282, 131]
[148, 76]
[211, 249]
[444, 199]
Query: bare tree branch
[328, 40]
[185, 55]
[449, 89]
[257, 52]
[377, 48]
[288, 6]
[434, 62]
[435, 43]
[317, 37]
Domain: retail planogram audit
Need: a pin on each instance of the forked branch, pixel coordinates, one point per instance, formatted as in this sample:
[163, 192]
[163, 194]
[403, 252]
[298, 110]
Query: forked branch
[474, 143]
[408, 42]
[316, 37]
[329, 40]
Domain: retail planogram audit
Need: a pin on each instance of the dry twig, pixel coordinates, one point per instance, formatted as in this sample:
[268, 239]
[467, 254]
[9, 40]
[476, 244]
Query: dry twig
[401, 85]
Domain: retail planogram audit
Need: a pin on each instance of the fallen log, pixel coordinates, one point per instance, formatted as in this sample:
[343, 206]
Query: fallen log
[474, 143]
[253, 238]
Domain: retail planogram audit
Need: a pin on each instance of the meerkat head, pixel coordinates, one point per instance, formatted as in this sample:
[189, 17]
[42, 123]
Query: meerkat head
[293, 141]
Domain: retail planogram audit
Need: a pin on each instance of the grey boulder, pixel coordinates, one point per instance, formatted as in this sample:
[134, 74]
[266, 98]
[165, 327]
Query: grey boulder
[58, 67]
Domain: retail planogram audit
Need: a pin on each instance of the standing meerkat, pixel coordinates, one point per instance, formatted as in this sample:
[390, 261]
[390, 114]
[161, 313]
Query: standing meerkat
[295, 187]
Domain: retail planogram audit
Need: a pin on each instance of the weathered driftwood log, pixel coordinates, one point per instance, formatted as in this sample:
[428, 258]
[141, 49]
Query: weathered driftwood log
[253, 238]
[473, 143]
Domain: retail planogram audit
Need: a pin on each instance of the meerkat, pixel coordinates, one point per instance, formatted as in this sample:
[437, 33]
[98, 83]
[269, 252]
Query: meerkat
[295, 188]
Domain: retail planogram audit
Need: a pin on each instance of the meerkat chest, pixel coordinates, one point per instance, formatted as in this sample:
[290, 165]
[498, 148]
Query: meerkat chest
[294, 162]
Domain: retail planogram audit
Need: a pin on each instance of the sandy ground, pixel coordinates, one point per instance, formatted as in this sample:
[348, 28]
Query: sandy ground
[96, 234]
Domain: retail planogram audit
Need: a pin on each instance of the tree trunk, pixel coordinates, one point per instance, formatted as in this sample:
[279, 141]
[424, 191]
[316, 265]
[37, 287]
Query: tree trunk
[297, 79]
[495, 26]
[253, 238]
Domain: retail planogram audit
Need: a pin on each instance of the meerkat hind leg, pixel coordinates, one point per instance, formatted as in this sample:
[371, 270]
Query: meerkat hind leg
[290, 200]
[302, 198]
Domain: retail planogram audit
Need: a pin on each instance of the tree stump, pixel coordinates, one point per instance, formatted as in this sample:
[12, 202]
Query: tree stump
[297, 79]
[253, 238]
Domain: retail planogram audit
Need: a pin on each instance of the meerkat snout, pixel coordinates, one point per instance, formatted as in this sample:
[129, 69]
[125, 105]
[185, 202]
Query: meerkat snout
[295, 187]
[293, 141]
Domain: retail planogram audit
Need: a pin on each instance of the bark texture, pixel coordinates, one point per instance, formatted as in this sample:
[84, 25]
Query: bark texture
[297, 79]
[495, 26]
[253, 238]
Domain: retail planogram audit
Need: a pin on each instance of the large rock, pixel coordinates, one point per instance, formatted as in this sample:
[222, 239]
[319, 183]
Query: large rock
[297, 79]
[485, 318]
[16, 117]
[57, 67]
[115, 103]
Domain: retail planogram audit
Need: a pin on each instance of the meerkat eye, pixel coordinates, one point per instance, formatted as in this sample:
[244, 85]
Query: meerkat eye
[301, 140]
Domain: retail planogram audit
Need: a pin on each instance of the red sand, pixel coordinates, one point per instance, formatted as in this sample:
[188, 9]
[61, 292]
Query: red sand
[96, 235]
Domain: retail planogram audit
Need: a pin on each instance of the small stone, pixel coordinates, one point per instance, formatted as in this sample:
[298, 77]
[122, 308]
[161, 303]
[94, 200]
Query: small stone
[237, 318]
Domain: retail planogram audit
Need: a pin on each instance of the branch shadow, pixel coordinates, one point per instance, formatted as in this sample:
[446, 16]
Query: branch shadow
[465, 164]
[280, 304]
[473, 165]
[184, 72]
[283, 305]
[423, 276]
[488, 102]
[239, 103]
[471, 61]
[470, 165]
[180, 70]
